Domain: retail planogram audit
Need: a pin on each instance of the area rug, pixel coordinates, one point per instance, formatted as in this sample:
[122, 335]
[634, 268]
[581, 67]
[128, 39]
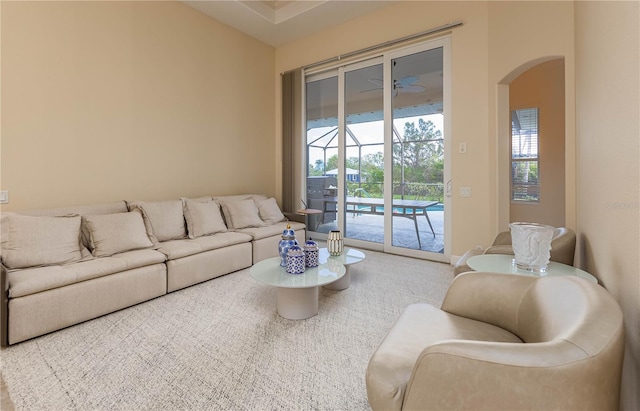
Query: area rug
[220, 345]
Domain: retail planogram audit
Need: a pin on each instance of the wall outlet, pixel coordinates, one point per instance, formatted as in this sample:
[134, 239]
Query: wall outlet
[465, 191]
[4, 197]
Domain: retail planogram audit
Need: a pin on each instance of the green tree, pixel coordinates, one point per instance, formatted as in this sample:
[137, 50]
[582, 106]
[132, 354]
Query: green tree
[332, 162]
[421, 152]
[317, 169]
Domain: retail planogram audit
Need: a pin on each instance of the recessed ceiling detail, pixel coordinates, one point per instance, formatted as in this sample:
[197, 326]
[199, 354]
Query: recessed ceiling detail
[279, 22]
[277, 12]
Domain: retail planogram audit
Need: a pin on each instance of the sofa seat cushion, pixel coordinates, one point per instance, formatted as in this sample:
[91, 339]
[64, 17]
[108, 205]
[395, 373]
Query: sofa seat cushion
[182, 248]
[34, 280]
[419, 326]
[258, 233]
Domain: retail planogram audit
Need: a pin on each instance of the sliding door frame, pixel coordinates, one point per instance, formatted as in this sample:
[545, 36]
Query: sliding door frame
[445, 43]
[385, 58]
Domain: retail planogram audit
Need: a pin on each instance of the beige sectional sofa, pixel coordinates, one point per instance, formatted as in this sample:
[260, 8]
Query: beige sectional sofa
[67, 265]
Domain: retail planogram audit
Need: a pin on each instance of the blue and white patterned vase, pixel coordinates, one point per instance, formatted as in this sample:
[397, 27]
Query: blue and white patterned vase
[295, 260]
[311, 253]
[288, 240]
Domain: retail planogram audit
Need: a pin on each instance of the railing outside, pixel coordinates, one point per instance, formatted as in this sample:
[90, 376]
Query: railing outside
[407, 191]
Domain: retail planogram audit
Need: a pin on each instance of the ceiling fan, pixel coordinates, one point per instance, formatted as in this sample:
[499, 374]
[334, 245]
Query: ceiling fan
[403, 85]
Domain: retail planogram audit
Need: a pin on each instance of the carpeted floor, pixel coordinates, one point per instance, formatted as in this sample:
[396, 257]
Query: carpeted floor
[220, 345]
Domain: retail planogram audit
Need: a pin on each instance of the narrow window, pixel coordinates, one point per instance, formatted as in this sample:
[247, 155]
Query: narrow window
[525, 173]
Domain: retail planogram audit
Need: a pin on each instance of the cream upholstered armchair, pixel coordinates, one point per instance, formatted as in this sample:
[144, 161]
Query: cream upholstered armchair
[563, 247]
[503, 342]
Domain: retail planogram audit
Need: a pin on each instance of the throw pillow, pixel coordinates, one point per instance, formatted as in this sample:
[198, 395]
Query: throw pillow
[164, 220]
[203, 218]
[241, 214]
[30, 241]
[269, 211]
[110, 234]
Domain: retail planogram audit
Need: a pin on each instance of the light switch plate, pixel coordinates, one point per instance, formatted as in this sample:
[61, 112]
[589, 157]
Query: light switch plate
[4, 197]
[465, 191]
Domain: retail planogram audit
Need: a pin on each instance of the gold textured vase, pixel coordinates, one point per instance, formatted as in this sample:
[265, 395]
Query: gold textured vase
[335, 242]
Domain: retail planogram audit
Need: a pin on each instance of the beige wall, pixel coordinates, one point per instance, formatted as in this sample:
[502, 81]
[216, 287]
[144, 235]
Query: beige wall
[542, 87]
[103, 101]
[523, 34]
[151, 100]
[469, 94]
[498, 41]
[608, 151]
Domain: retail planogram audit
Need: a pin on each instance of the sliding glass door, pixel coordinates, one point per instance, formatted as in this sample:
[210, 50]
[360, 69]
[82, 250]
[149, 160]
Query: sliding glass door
[376, 147]
[418, 150]
[363, 139]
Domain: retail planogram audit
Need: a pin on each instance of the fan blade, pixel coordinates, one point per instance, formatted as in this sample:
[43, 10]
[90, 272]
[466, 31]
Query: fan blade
[413, 88]
[407, 80]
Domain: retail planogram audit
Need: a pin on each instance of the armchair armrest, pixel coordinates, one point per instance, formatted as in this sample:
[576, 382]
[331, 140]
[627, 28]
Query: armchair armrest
[500, 249]
[461, 265]
[459, 374]
[503, 238]
[488, 297]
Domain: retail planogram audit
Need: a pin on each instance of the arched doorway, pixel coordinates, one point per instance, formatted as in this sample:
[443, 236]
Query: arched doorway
[531, 165]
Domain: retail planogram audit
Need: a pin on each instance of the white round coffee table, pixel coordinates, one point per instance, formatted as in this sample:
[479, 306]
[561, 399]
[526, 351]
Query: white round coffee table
[297, 297]
[349, 256]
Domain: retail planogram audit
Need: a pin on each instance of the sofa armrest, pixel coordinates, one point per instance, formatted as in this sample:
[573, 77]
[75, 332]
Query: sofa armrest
[459, 374]
[4, 307]
[488, 297]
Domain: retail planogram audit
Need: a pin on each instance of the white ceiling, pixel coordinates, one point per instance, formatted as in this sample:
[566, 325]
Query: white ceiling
[278, 22]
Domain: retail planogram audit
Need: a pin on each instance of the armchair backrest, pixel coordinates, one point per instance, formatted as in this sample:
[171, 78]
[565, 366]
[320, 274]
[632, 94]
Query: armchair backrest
[570, 309]
[563, 245]
[538, 309]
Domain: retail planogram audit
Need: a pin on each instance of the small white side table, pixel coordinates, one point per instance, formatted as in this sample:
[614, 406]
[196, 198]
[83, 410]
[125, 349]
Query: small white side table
[506, 264]
[349, 256]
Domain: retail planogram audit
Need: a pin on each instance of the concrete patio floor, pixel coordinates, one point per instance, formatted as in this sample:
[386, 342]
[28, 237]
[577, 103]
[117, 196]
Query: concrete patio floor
[371, 228]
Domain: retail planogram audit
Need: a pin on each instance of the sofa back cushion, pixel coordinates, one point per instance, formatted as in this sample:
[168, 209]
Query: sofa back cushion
[30, 241]
[203, 217]
[110, 234]
[164, 220]
[269, 211]
[92, 209]
[240, 214]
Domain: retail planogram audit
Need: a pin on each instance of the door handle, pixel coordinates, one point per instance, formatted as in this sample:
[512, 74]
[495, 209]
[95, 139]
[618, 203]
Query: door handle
[448, 190]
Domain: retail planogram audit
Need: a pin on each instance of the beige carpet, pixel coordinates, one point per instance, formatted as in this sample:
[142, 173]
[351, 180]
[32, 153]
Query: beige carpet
[221, 345]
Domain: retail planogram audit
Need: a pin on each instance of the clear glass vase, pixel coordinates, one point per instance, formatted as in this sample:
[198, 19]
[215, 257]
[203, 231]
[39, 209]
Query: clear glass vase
[531, 245]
